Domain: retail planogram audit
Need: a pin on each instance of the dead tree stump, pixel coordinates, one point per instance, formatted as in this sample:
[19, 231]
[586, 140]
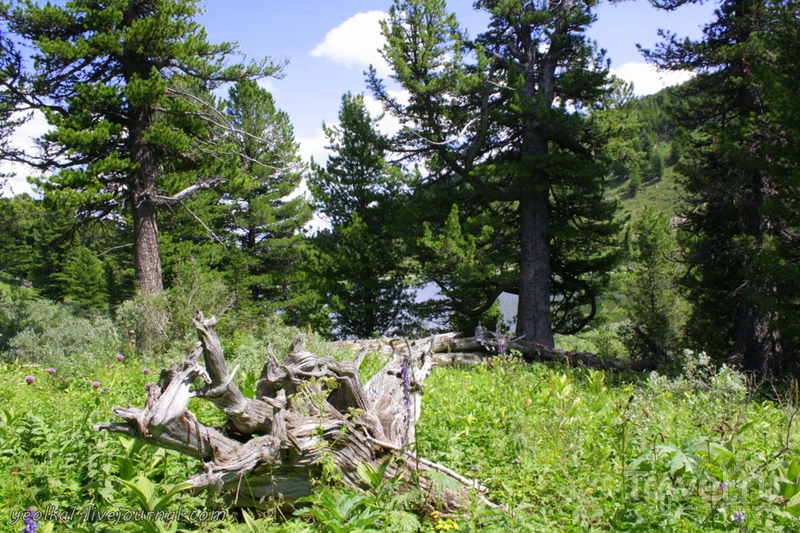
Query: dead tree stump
[307, 410]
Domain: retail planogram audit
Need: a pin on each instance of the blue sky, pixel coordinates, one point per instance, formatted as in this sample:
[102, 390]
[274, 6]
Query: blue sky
[329, 44]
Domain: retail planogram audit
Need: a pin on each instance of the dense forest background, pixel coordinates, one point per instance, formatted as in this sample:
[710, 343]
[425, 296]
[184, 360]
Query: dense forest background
[629, 227]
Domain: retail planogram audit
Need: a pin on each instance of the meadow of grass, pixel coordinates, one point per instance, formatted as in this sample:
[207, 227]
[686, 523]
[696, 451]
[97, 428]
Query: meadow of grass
[562, 449]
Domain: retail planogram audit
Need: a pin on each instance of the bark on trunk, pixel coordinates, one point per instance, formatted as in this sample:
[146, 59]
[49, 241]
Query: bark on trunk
[534, 321]
[137, 65]
[307, 412]
[756, 346]
[147, 257]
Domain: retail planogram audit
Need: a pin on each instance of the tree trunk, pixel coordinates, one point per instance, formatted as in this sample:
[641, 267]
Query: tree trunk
[308, 413]
[755, 344]
[534, 321]
[147, 257]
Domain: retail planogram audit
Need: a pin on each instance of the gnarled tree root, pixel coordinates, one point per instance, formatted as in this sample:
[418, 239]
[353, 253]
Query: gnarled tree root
[307, 411]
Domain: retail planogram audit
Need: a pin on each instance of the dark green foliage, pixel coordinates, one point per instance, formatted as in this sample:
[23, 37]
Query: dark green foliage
[780, 76]
[734, 181]
[455, 259]
[18, 218]
[126, 83]
[266, 221]
[358, 266]
[652, 300]
[83, 278]
[498, 122]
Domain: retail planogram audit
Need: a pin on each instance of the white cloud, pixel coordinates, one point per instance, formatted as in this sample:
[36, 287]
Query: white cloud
[314, 147]
[389, 124]
[23, 139]
[268, 84]
[356, 42]
[647, 79]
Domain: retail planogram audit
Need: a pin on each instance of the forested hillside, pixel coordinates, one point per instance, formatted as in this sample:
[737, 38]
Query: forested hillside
[619, 196]
[662, 232]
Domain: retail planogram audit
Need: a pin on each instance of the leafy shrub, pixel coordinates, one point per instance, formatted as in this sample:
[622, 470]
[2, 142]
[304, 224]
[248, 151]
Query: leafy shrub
[603, 340]
[163, 322]
[55, 335]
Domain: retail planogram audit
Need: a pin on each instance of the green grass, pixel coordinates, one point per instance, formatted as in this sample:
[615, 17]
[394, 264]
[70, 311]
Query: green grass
[664, 195]
[562, 449]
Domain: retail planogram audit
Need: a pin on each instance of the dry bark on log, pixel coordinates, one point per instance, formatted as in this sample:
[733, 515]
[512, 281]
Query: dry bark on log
[449, 348]
[307, 410]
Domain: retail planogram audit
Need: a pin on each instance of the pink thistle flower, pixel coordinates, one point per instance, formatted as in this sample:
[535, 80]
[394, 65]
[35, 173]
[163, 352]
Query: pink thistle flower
[120, 357]
[30, 379]
[51, 370]
[146, 370]
[96, 384]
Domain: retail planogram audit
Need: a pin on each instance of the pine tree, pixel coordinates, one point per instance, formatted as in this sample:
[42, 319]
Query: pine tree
[266, 219]
[503, 114]
[18, 218]
[124, 84]
[735, 185]
[652, 300]
[359, 263]
[83, 278]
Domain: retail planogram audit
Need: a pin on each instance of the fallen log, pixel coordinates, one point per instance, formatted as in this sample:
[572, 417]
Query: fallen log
[308, 413]
[450, 348]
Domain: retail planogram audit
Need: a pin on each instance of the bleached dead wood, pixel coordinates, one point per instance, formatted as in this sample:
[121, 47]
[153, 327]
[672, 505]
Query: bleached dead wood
[449, 348]
[307, 411]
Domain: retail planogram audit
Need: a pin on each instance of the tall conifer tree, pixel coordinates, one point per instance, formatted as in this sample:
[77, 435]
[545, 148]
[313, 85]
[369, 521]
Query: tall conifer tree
[740, 189]
[504, 115]
[124, 83]
[360, 266]
[266, 219]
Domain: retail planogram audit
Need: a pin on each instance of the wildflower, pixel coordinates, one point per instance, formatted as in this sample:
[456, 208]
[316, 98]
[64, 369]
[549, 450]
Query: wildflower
[738, 517]
[30, 379]
[446, 525]
[30, 523]
[104, 390]
[723, 487]
[405, 375]
[132, 332]
[96, 384]
[133, 341]
[51, 370]
[120, 357]
[146, 370]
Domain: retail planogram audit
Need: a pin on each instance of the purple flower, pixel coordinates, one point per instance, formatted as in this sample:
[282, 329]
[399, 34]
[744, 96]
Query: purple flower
[120, 357]
[405, 375]
[133, 341]
[723, 487]
[30, 379]
[30, 523]
[738, 517]
[96, 384]
[132, 332]
[146, 370]
[51, 370]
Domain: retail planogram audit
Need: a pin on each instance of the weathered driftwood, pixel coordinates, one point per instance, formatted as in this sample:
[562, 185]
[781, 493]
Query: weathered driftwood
[307, 411]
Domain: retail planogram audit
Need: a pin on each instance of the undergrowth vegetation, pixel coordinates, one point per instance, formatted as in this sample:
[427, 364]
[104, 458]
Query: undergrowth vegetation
[561, 449]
